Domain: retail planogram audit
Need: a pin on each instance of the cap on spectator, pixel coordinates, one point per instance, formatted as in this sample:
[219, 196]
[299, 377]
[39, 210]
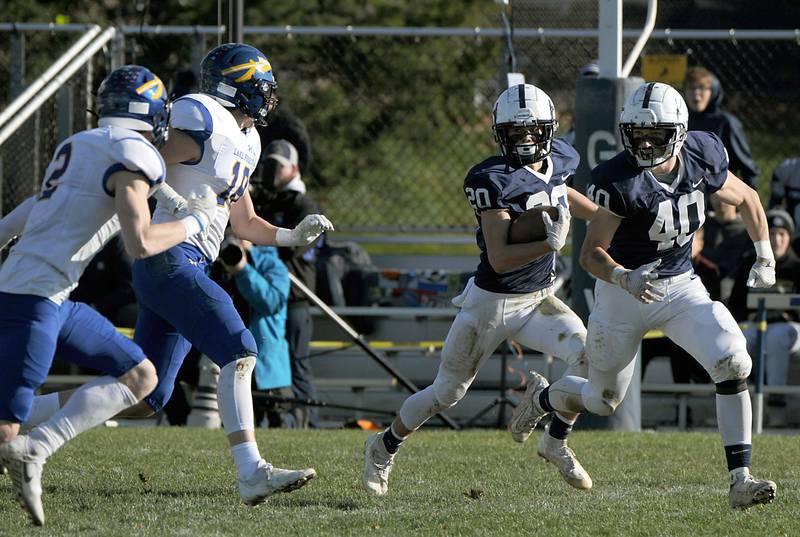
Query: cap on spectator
[282, 151]
[780, 218]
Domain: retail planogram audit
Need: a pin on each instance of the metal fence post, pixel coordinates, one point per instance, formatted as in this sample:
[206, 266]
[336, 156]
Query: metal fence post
[64, 114]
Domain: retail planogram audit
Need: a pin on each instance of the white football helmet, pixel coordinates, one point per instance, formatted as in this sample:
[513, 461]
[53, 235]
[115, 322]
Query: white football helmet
[524, 105]
[659, 108]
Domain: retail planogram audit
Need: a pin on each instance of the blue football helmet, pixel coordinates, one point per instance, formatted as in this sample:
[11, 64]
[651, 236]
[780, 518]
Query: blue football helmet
[240, 76]
[134, 98]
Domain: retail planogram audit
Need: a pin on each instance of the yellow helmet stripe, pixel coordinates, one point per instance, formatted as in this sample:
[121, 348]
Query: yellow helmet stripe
[261, 65]
[156, 82]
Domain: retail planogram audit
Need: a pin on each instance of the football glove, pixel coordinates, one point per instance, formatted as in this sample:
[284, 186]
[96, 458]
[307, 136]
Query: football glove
[201, 208]
[557, 231]
[171, 200]
[762, 274]
[306, 232]
[639, 282]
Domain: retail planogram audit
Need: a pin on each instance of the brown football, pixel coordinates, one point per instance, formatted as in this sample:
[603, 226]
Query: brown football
[529, 226]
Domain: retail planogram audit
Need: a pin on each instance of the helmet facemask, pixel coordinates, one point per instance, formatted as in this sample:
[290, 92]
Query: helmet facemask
[511, 139]
[654, 144]
[258, 100]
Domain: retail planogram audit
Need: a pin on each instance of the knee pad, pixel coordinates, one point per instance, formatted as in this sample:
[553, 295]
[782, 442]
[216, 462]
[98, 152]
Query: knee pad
[600, 404]
[737, 366]
[448, 392]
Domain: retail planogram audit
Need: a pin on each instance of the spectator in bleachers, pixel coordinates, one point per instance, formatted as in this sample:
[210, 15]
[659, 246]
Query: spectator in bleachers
[785, 192]
[703, 94]
[783, 330]
[279, 196]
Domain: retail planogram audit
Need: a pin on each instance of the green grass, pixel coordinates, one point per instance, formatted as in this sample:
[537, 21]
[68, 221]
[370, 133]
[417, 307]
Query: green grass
[647, 484]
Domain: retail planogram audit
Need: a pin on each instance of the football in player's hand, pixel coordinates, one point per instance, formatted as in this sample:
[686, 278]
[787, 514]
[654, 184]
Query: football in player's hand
[529, 226]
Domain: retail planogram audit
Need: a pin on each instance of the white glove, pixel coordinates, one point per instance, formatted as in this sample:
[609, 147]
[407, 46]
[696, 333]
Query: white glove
[639, 282]
[306, 232]
[202, 207]
[171, 200]
[762, 274]
[557, 231]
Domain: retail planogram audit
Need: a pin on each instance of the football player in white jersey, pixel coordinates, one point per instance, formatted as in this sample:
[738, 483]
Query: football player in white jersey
[652, 198]
[96, 185]
[511, 295]
[213, 142]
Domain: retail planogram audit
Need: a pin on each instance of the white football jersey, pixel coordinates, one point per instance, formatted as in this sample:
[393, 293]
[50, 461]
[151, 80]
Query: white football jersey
[75, 215]
[228, 158]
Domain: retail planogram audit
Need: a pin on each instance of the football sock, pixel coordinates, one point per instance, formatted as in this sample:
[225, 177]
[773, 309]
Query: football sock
[560, 427]
[544, 402]
[42, 408]
[735, 418]
[92, 404]
[391, 440]
[246, 457]
[234, 397]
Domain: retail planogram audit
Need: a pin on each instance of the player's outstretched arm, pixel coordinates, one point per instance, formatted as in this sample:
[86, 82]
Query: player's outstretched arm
[580, 206]
[13, 223]
[736, 192]
[506, 257]
[248, 225]
[143, 238]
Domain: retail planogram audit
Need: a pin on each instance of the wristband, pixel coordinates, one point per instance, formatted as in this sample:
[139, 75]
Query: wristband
[618, 272]
[192, 224]
[283, 237]
[764, 250]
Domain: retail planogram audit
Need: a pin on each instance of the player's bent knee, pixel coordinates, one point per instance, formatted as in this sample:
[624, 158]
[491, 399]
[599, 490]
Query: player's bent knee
[600, 406]
[734, 367]
[141, 380]
[449, 393]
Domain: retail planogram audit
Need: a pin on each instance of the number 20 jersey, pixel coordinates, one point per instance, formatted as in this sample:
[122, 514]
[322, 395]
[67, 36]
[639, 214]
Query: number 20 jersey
[496, 183]
[228, 156]
[659, 220]
[75, 213]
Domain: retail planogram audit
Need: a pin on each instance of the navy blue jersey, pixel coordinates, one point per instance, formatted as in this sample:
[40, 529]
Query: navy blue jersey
[496, 183]
[659, 220]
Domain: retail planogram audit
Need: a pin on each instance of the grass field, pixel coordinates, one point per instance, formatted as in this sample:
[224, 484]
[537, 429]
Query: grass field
[160, 481]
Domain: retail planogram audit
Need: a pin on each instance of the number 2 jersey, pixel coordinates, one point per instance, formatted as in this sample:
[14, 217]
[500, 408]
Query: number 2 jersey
[228, 155]
[75, 213]
[659, 220]
[496, 183]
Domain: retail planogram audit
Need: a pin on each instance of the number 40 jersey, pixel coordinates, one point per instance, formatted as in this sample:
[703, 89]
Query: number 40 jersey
[228, 156]
[659, 220]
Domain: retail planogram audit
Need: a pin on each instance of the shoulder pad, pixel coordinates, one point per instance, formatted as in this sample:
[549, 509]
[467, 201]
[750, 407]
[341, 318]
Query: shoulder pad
[707, 151]
[139, 155]
[191, 115]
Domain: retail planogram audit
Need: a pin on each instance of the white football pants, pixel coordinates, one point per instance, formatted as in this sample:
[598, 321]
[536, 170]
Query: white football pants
[704, 328]
[538, 320]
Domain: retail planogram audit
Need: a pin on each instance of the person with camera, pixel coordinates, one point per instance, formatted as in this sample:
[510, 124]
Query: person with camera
[279, 194]
[262, 282]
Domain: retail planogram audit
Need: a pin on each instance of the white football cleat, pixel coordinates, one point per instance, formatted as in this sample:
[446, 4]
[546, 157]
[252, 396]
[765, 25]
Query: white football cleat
[567, 463]
[26, 477]
[377, 465]
[267, 480]
[746, 491]
[528, 412]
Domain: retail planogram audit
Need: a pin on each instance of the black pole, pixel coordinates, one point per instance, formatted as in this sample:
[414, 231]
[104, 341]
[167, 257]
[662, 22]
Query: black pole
[359, 340]
[236, 21]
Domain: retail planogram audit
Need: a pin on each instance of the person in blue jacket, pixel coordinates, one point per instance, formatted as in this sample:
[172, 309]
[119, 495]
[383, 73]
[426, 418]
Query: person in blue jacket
[262, 279]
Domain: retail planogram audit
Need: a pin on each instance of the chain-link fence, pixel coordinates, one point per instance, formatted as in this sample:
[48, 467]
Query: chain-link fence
[397, 115]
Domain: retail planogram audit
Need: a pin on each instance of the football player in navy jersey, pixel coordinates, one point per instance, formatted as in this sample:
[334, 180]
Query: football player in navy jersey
[652, 200]
[511, 294]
